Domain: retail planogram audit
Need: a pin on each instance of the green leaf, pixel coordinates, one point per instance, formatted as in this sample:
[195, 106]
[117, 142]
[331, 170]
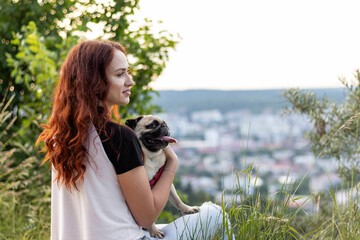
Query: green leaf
[34, 49]
[20, 55]
[19, 79]
[27, 78]
[15, 41]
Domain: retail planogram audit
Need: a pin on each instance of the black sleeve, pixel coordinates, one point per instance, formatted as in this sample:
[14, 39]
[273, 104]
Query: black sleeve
[122, 147]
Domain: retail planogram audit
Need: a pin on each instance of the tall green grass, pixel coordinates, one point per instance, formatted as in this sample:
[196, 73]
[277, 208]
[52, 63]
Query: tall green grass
[254, 216]
[24, 198]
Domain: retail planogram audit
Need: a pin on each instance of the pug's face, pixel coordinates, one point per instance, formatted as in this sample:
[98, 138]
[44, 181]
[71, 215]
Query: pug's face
[151, 131]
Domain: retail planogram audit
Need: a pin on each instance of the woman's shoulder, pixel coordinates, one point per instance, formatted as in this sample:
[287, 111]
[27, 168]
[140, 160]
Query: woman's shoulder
[120, 130]
[122, 147]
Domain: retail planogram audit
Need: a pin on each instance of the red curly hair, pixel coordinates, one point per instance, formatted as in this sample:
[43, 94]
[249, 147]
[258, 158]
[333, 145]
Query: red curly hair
[78, 102]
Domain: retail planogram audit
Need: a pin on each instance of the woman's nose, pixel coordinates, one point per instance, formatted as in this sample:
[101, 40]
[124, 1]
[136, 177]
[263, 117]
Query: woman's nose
[130, 81]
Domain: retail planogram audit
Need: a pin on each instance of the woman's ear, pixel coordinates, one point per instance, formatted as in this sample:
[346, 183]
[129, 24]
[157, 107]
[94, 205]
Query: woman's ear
[133, 122]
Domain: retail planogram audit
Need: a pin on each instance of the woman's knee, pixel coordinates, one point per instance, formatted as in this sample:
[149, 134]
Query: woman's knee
[206, 224]
[216, 219]
[211, 210]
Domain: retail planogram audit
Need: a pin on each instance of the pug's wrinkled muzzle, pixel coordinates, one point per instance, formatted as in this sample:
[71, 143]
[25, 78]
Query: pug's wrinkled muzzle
[157, 139]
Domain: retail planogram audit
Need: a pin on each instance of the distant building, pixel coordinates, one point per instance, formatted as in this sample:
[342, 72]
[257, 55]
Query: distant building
[322, 182]
[346, 196]
[206, 184]
[207, 117]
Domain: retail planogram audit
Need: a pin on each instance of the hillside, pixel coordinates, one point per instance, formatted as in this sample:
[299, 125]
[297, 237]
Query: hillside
[254, 100]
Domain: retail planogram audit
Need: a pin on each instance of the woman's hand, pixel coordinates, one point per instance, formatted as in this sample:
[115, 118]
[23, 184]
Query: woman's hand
[171, 159]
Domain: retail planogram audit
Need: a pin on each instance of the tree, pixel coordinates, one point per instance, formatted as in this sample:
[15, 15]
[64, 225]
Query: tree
[36, 36]
[335, 131]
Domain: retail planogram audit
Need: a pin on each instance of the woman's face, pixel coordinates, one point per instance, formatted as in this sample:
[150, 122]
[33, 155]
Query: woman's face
[119, 80]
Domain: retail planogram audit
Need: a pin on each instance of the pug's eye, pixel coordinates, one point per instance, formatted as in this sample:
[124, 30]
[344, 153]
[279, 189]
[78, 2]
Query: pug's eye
[153, 125]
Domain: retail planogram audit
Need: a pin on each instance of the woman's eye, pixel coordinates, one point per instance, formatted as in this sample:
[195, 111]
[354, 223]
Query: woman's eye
[123, 73]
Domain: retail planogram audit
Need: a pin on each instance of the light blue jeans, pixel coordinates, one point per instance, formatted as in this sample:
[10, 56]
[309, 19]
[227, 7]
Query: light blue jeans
[206, 224]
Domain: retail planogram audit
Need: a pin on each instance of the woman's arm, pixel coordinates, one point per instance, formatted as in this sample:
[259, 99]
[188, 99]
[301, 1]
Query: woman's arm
[145, 203]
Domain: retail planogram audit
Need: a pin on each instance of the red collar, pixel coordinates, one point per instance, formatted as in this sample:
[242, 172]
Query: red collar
[156, 177]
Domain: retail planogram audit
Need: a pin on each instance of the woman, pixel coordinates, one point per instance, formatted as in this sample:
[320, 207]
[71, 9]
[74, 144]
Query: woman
[100, 189]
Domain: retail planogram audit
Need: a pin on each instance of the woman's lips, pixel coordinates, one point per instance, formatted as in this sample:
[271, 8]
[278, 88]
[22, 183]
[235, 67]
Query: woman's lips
[127, 92]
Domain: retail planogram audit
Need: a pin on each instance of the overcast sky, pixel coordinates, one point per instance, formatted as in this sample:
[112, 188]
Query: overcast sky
[258, 44]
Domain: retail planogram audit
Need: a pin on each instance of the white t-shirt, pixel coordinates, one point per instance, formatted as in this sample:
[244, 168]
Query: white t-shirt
[98, 210]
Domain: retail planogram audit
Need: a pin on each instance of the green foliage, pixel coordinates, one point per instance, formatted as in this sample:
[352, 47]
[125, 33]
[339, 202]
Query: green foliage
[335, 131]
[35, 68]
[24, 192]
[24, 199]
[331, 220]
[4, 116]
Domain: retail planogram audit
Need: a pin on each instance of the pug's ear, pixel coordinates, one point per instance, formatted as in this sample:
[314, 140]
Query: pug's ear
[133, 122]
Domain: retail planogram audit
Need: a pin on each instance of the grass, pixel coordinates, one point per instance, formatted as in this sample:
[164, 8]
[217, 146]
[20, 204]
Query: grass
[25, 204]
[272, 217]
[24, 198]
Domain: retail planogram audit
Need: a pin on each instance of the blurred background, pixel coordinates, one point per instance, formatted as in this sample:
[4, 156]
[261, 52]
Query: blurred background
[265, 90]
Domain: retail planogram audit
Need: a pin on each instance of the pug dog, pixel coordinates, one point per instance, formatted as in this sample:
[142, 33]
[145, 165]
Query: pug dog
[154, 135]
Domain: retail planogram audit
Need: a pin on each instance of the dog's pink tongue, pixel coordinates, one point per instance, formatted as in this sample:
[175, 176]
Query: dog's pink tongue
[168, 139]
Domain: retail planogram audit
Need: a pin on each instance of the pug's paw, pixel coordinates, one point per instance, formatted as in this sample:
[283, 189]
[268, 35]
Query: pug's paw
[155, 232]
[189, 210]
